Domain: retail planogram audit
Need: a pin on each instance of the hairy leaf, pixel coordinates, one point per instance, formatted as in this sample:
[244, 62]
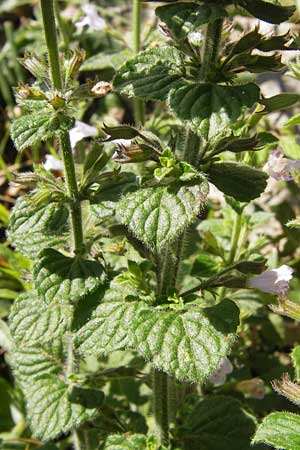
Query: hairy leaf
[217, 423]
[281, 430]
[238, 180]
[34, 227]
[32, 129]
[187, 344]
[158, 215]
[103, 60]
[132, 442]
[59, 278]
[151, 74]
[109, 328]
[183, 18]
[209, 108]
[33, 322]
[40, 373]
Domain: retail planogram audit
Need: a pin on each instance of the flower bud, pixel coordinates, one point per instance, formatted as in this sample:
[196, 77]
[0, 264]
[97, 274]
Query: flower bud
[101, 88]
[36, 66]
[288, 389]
[287, 308]
[74, 63]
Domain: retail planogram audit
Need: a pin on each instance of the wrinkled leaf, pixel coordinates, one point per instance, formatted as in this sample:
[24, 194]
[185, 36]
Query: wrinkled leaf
[281, 430]
[62, 279]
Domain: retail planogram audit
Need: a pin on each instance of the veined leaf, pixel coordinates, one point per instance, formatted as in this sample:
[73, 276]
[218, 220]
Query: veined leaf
[32, 321]
[108, 329]
[183, 18]
[281, 430]
[188, 344]
[210, 108]
[62, 279]
[151, 74]
[40, 373]
[132, 442]
[33, 227]
[32, 129]
[240, 181]
[217, 423]
[157, 215]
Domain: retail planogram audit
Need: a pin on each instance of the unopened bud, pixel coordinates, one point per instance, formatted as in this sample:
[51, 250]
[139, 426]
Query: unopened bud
[131, 154]
[251, 266]
[254, 388]
[57, 102]
[288, 389]
[73, 65]
[35, 65]
[25, 92]
[287, 308]
[101, 88]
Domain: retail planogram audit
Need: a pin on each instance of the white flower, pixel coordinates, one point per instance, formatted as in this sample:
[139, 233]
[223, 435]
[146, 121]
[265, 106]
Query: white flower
[281, 168]
[52, 163]
[224, 369]
[81, 131]
[91, 19]
[196, 38]
[276, 281]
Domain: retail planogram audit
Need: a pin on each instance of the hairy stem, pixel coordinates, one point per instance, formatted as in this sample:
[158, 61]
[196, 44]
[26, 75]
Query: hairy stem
[75, 207]
[51, 41]
[160, 406]
[65, 146]
[211, 47]
[139, 109]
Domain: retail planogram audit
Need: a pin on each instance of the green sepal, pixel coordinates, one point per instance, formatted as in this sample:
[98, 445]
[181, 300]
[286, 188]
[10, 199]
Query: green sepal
[183, 18]
[151, 74]
[281, 430]
[240, 181]
[39, 371]
[34, 227]
[64, 279]
[31, 129]
[157, 215]
[32, 322]
[210, 108]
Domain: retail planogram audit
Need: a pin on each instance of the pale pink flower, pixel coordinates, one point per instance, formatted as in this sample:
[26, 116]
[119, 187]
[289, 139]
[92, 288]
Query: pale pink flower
[91, 19]
[281, 168]
[276, 281]
[53, 163]
[224, 369]
[101, 88]
[80, 131]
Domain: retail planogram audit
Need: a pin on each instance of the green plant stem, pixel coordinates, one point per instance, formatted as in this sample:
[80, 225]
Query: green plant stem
[5, 89]
[211, 47]
[160, 406]
[237, 227]
[139, 108]
[65, 146]
[75, 207]
[51, 41]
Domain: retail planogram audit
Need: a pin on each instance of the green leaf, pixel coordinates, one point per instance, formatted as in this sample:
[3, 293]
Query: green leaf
[209, 108]
[187, 344]
[62, 279]
[33, 227]
[108, 329]
[39, 371]
[158, 215]
[281, 430]
[32, 129]
[268, 11]
[279, 102]
[240, 181]
[151, 74]
[216, 423]
[132, 442]
[183, 18]
[103, 60]
[33, 322]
